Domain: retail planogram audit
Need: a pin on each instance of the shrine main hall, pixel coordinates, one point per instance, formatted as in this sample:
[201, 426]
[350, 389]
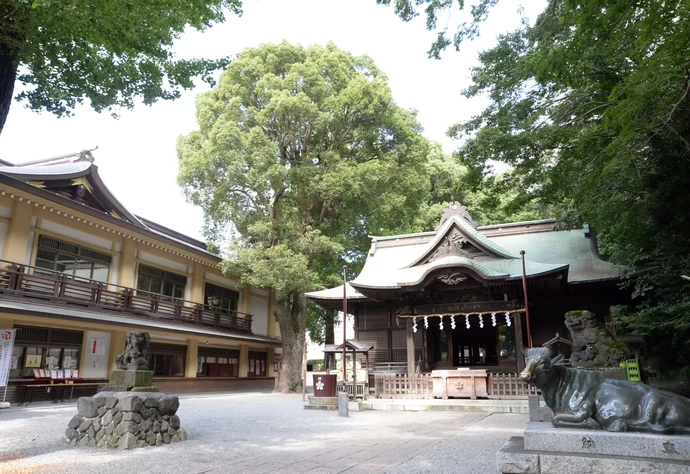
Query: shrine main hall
[454, 297]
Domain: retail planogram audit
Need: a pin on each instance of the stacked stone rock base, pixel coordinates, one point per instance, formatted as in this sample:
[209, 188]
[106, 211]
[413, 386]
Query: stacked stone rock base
[322, 403]
[548, 450]
[125, 420]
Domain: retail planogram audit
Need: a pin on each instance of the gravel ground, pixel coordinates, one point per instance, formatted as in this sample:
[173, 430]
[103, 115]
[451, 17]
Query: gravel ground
[266, 433]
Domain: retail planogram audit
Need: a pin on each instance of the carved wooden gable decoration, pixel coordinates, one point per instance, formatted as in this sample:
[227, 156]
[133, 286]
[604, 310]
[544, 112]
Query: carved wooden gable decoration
[455, 244]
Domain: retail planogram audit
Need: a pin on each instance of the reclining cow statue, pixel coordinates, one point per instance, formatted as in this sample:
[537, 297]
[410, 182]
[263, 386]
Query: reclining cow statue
[587, 399]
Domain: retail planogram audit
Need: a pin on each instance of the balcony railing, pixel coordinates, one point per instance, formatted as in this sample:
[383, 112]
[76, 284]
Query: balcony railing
[40, 284]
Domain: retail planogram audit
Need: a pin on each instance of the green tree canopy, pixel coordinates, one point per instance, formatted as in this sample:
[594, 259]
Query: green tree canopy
[591, 108]
[107, 52]
[300, 153]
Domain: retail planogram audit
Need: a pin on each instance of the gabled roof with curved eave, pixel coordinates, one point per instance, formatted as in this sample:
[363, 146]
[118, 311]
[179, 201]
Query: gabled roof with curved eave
[469, 232]
[54, 176]
[458, 248]
[60, 175]
[409, 260]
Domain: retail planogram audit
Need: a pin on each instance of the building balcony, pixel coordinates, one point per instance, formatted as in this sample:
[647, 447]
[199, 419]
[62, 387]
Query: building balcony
[40, 285]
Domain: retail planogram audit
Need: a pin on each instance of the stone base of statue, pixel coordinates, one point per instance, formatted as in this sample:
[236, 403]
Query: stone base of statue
[545, 450]
[131, 380]
[125, 420]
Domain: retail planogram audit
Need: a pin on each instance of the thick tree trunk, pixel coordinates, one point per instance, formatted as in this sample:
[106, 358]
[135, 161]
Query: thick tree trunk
[291, 310]
[8, 75]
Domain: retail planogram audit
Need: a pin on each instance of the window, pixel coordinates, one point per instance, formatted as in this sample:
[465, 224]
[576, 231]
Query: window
[44, 348]
[218, 362]
[166, 359]
[257, 364]
[222, 298]
[71, 259]
[162, 282]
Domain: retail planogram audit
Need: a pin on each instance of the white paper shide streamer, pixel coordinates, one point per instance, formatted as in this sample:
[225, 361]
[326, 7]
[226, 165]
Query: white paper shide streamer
[508, 318]
[414, 324]
[481, 320]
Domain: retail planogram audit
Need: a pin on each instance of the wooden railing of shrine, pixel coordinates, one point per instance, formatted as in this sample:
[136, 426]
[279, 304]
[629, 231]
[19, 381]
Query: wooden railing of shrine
[507, 385]
[404, 386]
[40, 284]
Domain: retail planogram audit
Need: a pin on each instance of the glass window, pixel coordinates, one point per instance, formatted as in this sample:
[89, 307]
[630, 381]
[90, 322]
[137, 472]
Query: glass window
[213, 362]
[166, 359]
[80, 262]
[29, 358]
[217, 297]
[257, 364]
[162, 282]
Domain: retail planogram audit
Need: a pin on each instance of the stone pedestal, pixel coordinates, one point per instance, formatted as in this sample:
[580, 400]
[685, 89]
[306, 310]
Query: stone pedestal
[125, 420]
[131, 380]
[545, 449]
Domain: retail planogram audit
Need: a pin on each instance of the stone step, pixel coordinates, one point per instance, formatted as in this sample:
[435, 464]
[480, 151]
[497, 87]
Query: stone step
[494, 406]
[513, 458]
[546, 438]
[321, 407]
[323, 401]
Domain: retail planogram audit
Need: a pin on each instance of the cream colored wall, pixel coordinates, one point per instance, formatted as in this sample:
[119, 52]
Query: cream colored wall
[23, 220]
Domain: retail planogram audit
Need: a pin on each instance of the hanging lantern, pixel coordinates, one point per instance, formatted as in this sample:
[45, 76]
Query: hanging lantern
[426, 322]
[452, 322]
[414, 324]
[467, 321]
[493, 319]
[440, 324]
[508, 318]
[481, 320]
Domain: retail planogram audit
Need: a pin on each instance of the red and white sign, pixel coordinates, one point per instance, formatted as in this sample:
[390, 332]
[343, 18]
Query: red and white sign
[6, 347]
[97, 347]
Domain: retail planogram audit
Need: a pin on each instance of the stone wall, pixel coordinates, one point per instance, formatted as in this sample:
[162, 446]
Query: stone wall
[125, 420]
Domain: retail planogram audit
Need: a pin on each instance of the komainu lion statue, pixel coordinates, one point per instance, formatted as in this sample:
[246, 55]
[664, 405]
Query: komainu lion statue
[592, 344]
[134, 356]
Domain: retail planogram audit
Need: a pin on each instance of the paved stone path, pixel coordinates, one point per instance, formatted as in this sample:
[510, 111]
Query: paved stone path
[268, 433]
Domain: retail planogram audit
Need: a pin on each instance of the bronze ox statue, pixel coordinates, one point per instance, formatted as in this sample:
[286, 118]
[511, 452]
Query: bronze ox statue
[587, 399]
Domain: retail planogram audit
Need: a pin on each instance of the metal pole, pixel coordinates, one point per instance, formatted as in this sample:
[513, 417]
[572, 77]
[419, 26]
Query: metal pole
[524, 290]
[344, 327]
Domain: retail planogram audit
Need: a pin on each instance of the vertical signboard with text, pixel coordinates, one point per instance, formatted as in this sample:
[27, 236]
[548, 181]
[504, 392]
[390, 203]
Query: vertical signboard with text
[6, 347]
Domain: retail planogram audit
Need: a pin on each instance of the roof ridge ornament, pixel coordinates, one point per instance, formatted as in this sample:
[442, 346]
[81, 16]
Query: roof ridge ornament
[453, 245]
[456, 209]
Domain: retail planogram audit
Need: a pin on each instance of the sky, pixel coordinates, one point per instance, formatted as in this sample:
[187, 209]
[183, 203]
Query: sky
[136, 155]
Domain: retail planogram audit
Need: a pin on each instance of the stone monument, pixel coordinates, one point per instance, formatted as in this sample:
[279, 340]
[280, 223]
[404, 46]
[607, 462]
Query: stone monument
[591, 417]
[130, 413]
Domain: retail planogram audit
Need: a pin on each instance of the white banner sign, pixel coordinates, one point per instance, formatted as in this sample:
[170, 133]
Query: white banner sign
[6, 346]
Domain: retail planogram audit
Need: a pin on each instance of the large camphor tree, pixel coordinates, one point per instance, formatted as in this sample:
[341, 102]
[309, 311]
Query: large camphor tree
[300, 153]
[104, 51]
[590, 105]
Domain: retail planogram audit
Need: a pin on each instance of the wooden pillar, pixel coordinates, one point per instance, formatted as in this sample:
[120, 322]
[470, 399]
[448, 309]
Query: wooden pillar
[270, 358]
[517, 320]
[118, 341]
[17, 240]
[272, 329]
[198, 283]
[192, 355]
[126, 272]
[410, 346]
[244, 360]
